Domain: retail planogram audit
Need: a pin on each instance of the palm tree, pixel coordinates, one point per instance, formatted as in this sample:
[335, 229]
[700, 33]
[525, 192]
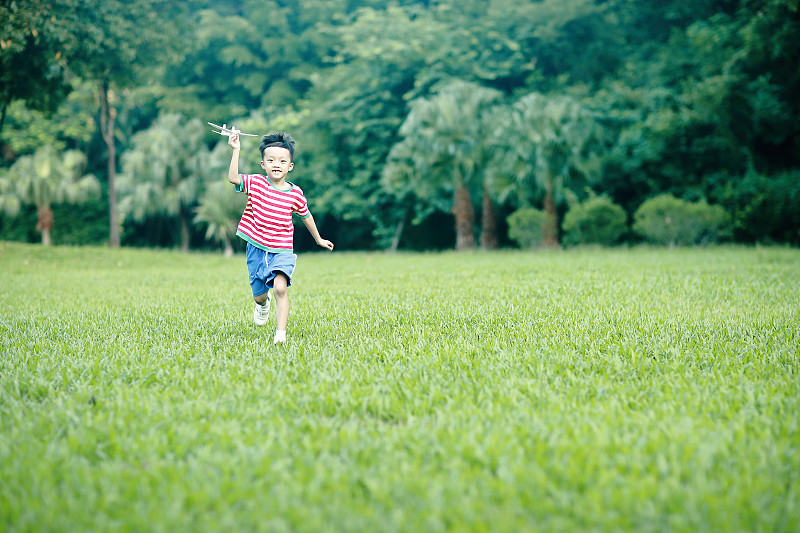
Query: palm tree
[44, 179]
[445, 149]
[9, 201]
[490, 153]
[549, 141]
[163, 173]
[220, 207]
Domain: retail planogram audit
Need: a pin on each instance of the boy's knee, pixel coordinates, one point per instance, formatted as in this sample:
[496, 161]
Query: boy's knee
[280, 285]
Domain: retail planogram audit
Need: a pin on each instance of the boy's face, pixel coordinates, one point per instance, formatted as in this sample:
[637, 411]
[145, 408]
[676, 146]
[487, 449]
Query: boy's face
[277, 162]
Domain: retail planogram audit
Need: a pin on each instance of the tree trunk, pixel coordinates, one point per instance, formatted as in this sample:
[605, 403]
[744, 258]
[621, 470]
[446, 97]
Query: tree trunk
[398, 232]
[550, 229]
[107, 116]
[465, 219]
[44, 223]
[488, 222]
[184, 232]
[5, 104]
[228, 247]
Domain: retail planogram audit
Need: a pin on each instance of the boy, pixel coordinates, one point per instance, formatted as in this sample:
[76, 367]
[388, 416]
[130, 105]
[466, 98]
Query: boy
[266, 225]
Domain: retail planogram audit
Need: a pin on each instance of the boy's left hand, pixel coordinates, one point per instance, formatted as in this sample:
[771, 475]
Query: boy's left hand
[325, 244]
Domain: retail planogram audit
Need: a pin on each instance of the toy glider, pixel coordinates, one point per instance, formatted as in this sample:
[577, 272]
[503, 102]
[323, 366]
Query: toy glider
[227, 132]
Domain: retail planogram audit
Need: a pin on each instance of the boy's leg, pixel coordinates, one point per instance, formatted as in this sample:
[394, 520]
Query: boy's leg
[280, 286]
[256, 266]
[261, 312]
[281, 267]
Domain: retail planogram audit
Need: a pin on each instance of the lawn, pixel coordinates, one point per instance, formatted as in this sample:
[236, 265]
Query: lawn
[583, 390]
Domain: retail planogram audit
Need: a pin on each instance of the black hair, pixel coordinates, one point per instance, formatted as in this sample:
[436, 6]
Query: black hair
[282, 139]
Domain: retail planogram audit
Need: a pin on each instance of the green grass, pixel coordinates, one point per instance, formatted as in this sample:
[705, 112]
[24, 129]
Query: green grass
[588, 390]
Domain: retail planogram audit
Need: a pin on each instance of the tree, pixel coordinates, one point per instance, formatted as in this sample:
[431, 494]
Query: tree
[9, 201]
[113, 43]
[44, 179]
[447, 140]
[356, 105]
[380, 58]
[164, 172]
[648, 25]
[32, 67]
[717, 121]
[555, 43]
[70, 126]
[714, 120]
[550, 142]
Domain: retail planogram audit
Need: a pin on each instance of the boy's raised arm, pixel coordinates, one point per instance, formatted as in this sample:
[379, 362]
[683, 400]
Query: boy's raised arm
[233, 170]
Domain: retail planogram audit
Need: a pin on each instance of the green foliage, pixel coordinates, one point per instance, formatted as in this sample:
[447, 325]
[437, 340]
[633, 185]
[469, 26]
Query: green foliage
[48, 177]
[448, 143]
[45, 179]
[648, 25]
[551, 142]
[622, 390]
[355, 106]
[79, 227]
[763, 208]
[165, 172]
[551, 146]
[21, 227]
[116, 41]
[596, 220]
[71, 124]
[113, 43]
[724, 106]
[384, 58]
[32, 68]
[567, 43]
[220, 207]
[10, 202]
[527, 227]
[86, 225]
[667, 220]
[340, 76]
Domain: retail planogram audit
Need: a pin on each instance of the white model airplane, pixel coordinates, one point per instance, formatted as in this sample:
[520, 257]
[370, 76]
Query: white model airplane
[227, 132]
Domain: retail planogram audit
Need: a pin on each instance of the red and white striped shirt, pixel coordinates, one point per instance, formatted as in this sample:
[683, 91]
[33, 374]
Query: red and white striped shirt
[267, 218]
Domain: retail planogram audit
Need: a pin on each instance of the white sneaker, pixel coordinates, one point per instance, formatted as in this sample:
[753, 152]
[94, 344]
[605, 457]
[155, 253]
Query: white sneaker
[280, 337]
[261, 312]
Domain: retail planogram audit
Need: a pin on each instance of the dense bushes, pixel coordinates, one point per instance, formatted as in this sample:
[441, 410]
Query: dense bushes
[596, 220]
[526, 226]
[670, 221]
[763, 208]
[662, 220]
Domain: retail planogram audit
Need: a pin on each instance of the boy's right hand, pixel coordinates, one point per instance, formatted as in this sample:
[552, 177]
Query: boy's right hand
[233, 141]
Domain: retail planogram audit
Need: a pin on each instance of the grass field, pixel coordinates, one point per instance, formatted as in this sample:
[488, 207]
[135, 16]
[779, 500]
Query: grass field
[587, 390]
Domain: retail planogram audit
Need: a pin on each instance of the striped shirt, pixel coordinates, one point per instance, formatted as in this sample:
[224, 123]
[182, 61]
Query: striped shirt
[267, 218]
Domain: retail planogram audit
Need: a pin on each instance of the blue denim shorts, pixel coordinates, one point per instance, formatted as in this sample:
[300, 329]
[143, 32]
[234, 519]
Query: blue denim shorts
[263, 266]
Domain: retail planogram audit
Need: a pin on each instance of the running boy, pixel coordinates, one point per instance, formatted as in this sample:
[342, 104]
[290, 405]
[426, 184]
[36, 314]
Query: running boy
[266, 225]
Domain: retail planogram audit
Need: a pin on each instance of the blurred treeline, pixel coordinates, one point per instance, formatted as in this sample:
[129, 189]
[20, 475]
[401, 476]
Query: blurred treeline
[420, 124]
